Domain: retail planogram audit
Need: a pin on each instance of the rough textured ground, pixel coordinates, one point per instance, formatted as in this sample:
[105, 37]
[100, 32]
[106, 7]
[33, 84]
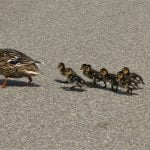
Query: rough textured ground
[104, 33]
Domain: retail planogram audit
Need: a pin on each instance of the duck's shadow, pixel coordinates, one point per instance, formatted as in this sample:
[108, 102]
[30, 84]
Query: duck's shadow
[17, 83]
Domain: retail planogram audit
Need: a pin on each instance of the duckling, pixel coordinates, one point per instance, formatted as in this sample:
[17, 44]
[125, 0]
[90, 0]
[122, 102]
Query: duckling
[15, 64]
[109, 77]
[91, 73]
[61, 67]
[73, 78]
[137, 78]
[127, 83]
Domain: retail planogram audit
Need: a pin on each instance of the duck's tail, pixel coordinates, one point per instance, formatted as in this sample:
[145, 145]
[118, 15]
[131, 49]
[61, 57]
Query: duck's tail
[37, 62]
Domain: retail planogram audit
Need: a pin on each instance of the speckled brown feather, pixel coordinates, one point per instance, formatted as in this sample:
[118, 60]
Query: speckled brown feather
[14, 64]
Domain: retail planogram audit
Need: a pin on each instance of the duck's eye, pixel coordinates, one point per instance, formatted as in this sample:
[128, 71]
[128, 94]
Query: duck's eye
[13, 62]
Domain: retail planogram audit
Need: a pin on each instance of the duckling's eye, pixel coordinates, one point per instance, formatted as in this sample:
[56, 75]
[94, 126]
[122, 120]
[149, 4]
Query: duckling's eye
[101, 71]
[70, 72]
[121, 76]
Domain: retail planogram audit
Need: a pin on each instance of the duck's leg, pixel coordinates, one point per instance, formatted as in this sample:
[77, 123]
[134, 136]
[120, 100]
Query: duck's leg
[5, 83]
[30, 81]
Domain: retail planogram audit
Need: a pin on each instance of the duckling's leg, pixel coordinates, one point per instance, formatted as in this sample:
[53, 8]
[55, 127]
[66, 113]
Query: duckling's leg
[129, 91]
[112, 86]
[79, 85]
[105, 86]
[116, 87]
[94, 81]
[30, 81]
[4, 84]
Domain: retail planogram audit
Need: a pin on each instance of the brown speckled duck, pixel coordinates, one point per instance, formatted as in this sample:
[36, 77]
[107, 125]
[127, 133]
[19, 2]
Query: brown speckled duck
[15, 64]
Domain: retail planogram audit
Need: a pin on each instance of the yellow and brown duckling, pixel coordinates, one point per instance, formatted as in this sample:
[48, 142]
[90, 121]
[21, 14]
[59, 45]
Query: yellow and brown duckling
[61, 67]
[109, 77]
[135, 77]
[126, 83]
[73, 78]
[14, 64]
[91, 73]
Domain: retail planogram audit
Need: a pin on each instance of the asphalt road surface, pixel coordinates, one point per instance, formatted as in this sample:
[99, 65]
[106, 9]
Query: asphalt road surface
[103, 33]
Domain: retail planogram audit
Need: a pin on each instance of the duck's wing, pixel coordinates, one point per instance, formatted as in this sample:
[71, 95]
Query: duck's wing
[15, 57]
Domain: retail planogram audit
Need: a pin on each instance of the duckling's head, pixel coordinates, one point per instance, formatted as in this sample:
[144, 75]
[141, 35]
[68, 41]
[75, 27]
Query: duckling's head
[120, 75]
[61, 66]
[68, 71]
[83, 66]
[88, 68]
[125, 70]
[103, 72]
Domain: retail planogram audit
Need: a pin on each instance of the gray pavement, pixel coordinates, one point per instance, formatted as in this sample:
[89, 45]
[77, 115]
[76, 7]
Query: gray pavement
[104, 33]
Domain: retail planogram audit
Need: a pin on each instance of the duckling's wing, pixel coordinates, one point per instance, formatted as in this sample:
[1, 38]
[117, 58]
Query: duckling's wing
[137, 77]
[78, 79]
[131, 84]
[97, 76]
[14, 57]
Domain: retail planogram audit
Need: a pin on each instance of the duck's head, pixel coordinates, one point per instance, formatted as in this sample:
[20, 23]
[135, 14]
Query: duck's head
[120, 75]
[125, 70]
[103, 72]
[61, 66]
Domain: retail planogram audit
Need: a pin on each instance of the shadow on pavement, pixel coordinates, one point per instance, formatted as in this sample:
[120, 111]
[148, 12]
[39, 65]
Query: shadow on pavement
[91, 85]
[16, 83]
[60, 81]
[72, 89]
